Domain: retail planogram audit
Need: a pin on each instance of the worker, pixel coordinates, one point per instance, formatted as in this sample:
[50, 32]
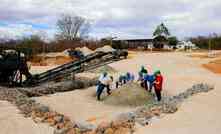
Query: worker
[158, 84]
[143, 70]
[144, 81]
[122, 79]
[129, 77]
[140, 76]
[104, 82]
[142, 73]
[149, 78]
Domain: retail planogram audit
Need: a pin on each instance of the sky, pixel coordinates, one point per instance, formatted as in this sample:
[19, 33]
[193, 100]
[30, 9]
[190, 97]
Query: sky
[117, 18]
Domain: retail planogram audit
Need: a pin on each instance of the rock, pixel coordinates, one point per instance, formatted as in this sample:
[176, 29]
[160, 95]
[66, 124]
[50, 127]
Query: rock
[73, 131]
[68, 124]
[102, 127]
[43, 109]
[59, 118]
[60, 125]
[109, 131]
[155, 111]
[169, 108]
[142, 121]
[84, 126]
[126, 117]
[37, 120]
[61, 131]
[51, 121]
[122, 131]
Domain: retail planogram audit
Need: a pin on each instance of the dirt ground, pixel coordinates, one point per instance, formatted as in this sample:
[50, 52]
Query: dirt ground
[12, 122]
[180, 72]
[214, 66]
[81, 105]
[200, 114]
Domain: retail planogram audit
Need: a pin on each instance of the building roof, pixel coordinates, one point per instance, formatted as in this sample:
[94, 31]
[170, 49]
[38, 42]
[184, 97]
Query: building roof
[134, 40]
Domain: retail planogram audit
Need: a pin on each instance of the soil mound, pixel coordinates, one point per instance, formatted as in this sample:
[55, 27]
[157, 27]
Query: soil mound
[131, 95]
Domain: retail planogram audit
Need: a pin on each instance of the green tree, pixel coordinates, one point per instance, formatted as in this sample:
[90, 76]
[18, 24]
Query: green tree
[161, 30]
[173, 40]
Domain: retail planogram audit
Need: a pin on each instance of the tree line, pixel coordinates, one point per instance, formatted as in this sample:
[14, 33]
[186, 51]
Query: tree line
[73, 30]
[207, 42]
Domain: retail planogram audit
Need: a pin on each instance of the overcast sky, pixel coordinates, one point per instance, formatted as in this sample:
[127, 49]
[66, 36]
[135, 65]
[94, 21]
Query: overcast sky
[121, 18]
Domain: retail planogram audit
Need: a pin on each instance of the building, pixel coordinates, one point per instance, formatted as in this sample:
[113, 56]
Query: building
[158, 42]
[134, 43]
[186, 45]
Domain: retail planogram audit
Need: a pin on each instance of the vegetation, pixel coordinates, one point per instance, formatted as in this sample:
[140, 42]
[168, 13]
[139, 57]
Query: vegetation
[34, 45]
[173, 41]
[71, 27]
[204, 41]
[160, 34]
[161, 30]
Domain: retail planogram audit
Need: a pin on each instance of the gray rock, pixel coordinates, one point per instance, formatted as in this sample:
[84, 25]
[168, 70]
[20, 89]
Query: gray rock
[43, 109]
[59, 118]
[142, 121]
[127, 117]
[60, 131]
[85, 126]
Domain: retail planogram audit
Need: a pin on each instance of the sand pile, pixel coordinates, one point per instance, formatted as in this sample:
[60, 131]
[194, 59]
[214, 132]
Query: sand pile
[130, 94]
[85, 51]
[50, 61]
[105, 49]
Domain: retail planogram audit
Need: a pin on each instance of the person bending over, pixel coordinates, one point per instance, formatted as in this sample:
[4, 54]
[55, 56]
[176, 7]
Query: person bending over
[104, 82]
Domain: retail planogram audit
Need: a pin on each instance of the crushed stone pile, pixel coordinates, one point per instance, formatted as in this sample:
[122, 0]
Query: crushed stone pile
[85, 51]
[131, 95]
[64, 86]
[106, 49]
[102, 69]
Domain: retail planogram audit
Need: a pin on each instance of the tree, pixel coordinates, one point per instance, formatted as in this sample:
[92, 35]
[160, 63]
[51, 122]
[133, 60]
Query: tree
[161, 30]
[71, 27]
[173, 40]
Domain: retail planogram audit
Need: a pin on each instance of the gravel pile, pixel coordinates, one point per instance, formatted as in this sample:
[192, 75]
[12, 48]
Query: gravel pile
[85, 51]
[53, 87]
[130, 94]
[102, 69]
[105, 49]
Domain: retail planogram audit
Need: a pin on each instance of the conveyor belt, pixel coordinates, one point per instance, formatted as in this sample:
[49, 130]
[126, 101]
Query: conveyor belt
[89, 62]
